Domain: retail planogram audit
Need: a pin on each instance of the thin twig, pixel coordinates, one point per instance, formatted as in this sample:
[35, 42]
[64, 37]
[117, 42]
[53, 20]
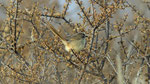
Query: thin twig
[81, 8]
[111, 63]
[82, 74]
[77, 56]
[15, 32]
[101, 21]
[58, 74]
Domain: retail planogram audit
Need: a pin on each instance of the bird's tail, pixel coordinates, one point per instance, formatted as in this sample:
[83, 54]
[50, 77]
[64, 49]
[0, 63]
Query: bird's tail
[55, 32]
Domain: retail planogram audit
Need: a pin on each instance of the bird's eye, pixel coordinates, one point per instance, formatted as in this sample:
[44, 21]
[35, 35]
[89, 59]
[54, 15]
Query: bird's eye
[83, 36]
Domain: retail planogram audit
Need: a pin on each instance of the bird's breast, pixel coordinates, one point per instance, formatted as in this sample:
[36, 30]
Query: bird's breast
[76, 45]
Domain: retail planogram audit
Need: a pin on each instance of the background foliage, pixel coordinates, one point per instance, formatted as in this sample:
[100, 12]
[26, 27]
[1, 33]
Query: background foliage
[117, 49]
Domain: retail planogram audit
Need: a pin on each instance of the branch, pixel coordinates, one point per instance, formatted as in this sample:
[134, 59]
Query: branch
[82, 9]
[15, 32]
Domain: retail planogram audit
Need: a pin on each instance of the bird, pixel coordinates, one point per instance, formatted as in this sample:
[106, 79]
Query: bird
[75, 42]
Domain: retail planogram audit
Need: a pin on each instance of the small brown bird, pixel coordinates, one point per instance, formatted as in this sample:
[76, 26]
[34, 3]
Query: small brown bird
[75, 42]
